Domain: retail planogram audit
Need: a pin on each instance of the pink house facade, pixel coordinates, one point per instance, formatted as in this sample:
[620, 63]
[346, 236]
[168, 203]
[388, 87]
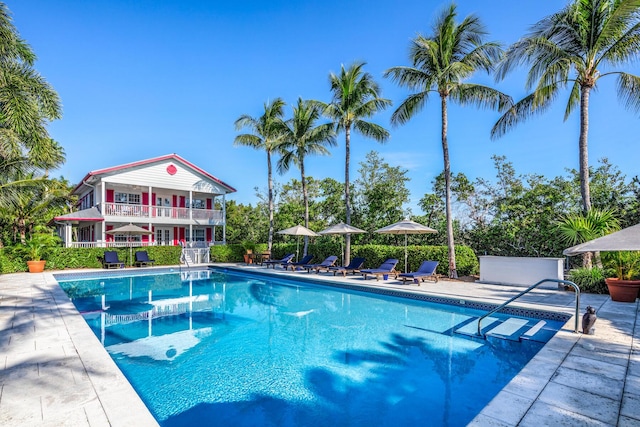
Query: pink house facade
[178, 202]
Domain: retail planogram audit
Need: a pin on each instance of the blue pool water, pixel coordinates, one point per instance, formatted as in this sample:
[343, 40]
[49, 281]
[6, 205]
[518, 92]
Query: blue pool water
[220, 348]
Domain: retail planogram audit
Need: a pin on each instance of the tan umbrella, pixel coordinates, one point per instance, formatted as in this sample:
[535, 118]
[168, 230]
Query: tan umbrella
[130, 230]
[627, 239]
[342, 228]
[298, 230]
[406, 227]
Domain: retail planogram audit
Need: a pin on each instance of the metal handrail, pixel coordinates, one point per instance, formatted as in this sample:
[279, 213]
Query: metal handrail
[500, 307]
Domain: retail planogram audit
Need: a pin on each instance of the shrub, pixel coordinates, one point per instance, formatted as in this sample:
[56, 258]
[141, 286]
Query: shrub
[589, 280]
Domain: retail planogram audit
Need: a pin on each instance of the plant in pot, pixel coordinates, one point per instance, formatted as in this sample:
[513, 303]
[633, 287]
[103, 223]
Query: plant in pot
[625, 265]
[36, 247]
[249, 248]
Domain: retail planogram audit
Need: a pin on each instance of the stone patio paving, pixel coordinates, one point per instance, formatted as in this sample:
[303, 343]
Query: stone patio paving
[55, 372]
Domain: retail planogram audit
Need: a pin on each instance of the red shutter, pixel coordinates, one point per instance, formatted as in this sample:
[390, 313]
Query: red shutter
[175, 213]
[145, 237]
[154, 200]
[182, 202]
[145, 199]
[209, 239]
[175, 235]
[209, 204]
[182, 233]
[110, 196]
[109, 236]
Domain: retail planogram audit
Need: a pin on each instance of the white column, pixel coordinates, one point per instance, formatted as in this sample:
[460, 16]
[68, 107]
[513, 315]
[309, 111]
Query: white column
[224, 219]
[191, 216]
[67, 234]
[151, 202]
[103, 235]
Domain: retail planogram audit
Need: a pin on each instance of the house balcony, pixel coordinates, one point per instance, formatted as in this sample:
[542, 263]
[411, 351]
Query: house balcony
[162, 214]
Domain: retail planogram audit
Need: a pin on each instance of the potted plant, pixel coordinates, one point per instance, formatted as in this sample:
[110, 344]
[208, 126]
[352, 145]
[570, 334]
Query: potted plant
[625, 285]
[37, 245]
[249, 248]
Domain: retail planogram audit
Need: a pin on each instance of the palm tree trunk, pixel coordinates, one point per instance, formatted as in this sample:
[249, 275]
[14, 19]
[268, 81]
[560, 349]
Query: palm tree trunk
[453, 273]
[347, 203]
[305, 196]
[270, 179]
[584, 160]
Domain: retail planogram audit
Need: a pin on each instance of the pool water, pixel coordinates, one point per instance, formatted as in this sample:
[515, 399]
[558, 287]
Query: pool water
[220, 348]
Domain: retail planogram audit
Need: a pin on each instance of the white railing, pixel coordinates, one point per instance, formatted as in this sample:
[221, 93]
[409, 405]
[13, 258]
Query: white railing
[142, 211]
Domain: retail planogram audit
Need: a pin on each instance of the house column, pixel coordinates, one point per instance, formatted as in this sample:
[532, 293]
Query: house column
[103, 228]
[191, 216]
[151, 202]
[67, 235]
[224, 219]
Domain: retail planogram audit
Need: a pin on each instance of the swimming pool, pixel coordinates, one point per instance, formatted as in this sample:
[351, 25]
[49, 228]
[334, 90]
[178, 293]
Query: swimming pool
[218, 347]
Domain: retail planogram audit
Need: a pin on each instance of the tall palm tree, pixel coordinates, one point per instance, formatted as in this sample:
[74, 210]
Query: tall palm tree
[572, 48]
[440, 64]
[356, 97]
[268, 130]
[302, 138]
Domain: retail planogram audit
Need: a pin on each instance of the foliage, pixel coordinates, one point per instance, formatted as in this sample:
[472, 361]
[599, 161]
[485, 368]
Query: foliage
[39, 244]
[582, 227]
[589, 280]
[624, 265]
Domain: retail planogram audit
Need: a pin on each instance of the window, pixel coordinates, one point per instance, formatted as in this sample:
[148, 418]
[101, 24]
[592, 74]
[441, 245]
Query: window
[198, 235]
[198, 204]
[125, 238]
[127, 198]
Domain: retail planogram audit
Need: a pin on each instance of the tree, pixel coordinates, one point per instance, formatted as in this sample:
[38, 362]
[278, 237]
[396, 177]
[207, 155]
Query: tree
[570, 48]
[302, 138]
[268, 130]
[355, 97]
[585, 226]
[440, 64]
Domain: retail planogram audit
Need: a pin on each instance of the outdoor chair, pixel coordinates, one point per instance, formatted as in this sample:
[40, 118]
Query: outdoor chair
[386, 269]
[427, 270]
[354, 267]
[142, 259]
[283, 262]
[111, 260]
[304, 261]
[324, 265]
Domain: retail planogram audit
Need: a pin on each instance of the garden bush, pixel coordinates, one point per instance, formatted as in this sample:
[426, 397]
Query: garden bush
[590, 280]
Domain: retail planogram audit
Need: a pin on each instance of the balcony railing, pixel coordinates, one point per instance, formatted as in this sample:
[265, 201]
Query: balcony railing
[142, 211]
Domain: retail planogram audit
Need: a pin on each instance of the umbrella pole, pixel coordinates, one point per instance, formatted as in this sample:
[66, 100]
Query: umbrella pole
[405, 253]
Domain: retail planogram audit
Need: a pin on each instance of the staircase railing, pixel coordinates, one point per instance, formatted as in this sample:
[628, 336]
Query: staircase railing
[530, 288]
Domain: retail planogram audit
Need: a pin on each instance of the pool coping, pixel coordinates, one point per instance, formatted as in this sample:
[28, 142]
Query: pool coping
[575, 378]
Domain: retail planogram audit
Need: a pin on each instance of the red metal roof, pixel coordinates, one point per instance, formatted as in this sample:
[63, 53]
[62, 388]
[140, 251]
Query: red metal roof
[154, 160]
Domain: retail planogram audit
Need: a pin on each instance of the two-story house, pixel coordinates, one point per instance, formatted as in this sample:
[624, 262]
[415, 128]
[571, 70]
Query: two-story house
[174, 199]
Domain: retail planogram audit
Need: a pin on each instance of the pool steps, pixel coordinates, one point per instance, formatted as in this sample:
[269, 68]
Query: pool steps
[511, 328]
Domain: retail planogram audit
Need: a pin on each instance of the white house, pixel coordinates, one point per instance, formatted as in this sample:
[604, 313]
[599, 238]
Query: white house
[174, 199]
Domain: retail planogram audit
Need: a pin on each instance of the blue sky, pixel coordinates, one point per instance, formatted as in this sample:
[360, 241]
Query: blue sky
[145, 78]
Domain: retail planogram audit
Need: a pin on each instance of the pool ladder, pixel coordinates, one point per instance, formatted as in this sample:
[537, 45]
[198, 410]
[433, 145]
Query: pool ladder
[509, 327]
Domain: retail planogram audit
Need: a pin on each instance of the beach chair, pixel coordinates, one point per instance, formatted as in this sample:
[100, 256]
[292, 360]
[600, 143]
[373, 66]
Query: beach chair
[427, 270]
[111, 260]
[294, 265]
[324, 265]
[142, 259]
[283, 262]
[354, 267]
[386, 269]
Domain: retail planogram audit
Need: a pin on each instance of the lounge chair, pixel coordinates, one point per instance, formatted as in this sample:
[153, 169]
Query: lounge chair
[284, 261]
[354, 267]
[142, 259]
[387, 268]
[304, 261]
[324, 265]
[427, 270]
[111, 260]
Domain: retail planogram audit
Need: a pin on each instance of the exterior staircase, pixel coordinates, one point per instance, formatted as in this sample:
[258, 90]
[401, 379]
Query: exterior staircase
[510, 328]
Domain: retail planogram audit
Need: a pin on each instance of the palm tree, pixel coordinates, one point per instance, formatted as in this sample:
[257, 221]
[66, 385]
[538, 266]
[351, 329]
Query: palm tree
[570, 48]
[440, 64]
[302, 137]
[585, 226]
[267, 135]
[356, 97]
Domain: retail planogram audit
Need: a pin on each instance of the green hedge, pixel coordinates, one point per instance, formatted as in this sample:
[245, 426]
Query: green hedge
[62, 258]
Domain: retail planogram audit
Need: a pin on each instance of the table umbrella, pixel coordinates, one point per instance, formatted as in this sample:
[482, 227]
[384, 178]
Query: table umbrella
[627, 239]
[298, 230]
[406, 227]
[130, 230]
[341, 228]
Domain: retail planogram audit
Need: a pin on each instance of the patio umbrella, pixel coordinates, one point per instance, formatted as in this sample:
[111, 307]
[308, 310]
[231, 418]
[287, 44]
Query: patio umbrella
[627, 239]
[298, 230]
[130, 230]
[406, 227]
[341, 228]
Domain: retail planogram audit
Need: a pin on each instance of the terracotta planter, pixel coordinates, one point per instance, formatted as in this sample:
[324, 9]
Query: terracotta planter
[623, 290]
[36, 266]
